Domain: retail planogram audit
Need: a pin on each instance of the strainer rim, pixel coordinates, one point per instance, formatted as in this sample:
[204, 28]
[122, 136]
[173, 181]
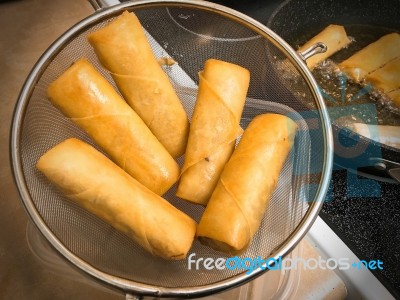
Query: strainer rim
[129, 285]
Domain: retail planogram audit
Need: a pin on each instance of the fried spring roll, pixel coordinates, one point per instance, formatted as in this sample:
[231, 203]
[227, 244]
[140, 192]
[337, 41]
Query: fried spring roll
[334, 37]
[214, 128]
[235, 210]
[123, 49]
[372, 57]
[395, 96]
[93, 181]
[85, 96]
[386, 78]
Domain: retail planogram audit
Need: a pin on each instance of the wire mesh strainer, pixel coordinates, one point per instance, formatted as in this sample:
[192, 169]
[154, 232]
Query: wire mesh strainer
[190, 32]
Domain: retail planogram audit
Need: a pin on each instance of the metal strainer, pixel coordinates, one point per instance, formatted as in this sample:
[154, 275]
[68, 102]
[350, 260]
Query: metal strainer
[190, 32]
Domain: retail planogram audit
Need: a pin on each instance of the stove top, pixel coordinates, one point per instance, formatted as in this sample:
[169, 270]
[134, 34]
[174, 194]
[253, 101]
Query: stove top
[365, 213]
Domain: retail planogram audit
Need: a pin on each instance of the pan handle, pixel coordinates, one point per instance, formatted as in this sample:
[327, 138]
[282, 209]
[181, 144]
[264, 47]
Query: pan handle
[312, 50]
[389, 167]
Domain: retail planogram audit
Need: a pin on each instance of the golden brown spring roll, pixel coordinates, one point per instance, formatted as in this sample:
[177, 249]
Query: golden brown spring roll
[372, 57]
[334, 37]
[386, 78]
[86, 97]
[214, 128]
[123, 49]
[235, 210]
[395, 96]
[92, 180]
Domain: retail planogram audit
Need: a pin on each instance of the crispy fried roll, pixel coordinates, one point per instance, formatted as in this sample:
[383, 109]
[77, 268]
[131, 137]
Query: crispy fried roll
[86, 97]
[372, 57]
[123, 49]
[334, 37]
[214, 128]
[93, 181]
[386, 78]
[235, 210]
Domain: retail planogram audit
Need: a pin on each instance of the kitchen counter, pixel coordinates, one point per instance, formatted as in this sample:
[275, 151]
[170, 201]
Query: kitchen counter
[27, 271]
[24, 36]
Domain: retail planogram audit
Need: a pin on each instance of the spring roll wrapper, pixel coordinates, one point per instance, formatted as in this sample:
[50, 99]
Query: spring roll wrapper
[85, 96]
[214, 128]
[93, 181]
[123, 49]
[334, 37]
[395, 96]
[237, 206]
[386, 78]
[372, 57]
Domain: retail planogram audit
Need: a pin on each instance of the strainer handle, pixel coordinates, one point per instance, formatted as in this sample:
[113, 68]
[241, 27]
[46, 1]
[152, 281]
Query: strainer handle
[100, 4]
[312, 50]
[133, 297]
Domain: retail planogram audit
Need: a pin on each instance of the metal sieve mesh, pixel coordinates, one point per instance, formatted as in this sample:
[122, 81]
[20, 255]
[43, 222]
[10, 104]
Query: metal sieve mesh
[190, 33]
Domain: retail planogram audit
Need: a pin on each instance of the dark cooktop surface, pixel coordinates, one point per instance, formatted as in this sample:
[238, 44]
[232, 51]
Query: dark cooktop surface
[365, 214]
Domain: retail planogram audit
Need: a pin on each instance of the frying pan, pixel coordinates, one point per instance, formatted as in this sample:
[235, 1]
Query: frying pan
[189, 31]
[296, 21]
